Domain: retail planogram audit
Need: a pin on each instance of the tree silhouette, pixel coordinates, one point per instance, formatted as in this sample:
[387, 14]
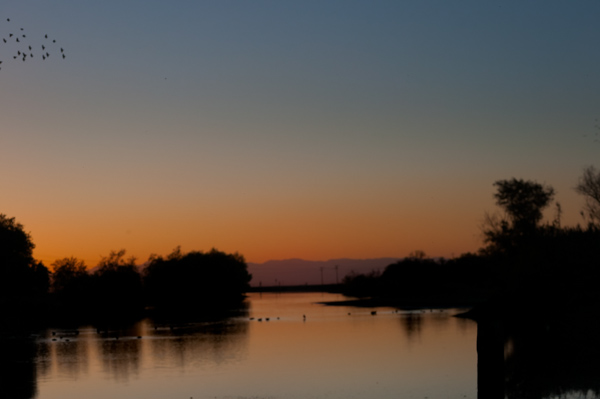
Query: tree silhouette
[16, 247]
[70, 286]
[196, 280]
[117, 286]
[589, 187]
[523, 201]
[414, 276]
[67, 272]
[20, 274]
[23, 281]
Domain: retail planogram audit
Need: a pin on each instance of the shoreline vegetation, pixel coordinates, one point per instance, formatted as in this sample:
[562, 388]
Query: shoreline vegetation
[205, 285]
[524, 263]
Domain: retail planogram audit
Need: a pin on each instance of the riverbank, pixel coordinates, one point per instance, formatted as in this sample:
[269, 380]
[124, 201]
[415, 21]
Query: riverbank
[374, 302]
[406, 305]
[331, 288]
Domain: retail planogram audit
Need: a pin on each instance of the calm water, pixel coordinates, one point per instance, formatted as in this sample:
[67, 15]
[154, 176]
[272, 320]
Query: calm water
[336, 352]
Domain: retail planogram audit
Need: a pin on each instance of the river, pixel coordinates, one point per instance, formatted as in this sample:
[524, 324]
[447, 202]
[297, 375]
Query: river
[286, 346]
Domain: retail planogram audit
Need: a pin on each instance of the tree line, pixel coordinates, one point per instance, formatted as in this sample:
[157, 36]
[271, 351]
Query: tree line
[523, 261]
[198, 282]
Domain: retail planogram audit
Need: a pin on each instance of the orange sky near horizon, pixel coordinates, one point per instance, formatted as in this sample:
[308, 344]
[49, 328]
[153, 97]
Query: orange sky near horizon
[314, 130]
[350, 228]
[338, 228]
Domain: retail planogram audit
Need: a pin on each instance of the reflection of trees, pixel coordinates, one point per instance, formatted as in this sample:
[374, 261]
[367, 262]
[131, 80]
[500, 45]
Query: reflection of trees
[412, 324]
[17, 368]
[120, 357]
[74, 355]
[437, 319]
[527, 359]
[554, 360]
[217, 342]
[120, 349]
[179, 341]
[43, 359]
[490, 359]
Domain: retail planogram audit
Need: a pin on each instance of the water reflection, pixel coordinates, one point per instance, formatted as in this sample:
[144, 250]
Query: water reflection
[18, 377]
[490, 359]
[336, 352]
[558, 360]
[343, 352]
[119, 351]
[71, 351]
[120, 357]
[183, 345]
[522, 359]
[43, 358]
[412, 323]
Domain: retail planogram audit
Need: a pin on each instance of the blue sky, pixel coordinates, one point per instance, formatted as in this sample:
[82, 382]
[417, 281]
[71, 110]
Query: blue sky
[290, 129]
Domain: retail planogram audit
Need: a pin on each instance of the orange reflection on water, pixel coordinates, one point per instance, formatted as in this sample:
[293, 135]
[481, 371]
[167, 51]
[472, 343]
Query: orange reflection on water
[304, 350]
[350, 351]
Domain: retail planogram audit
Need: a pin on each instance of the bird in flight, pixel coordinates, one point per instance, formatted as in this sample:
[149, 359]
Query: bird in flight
[24, 44]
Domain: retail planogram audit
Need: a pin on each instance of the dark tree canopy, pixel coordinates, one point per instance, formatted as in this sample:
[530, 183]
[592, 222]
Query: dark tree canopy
[67, 272]
[16, 247]
[23, 281]
[20, 274]
[589, 187]
[196, 279]
[71, 286]
[117, 285]
[523, 201]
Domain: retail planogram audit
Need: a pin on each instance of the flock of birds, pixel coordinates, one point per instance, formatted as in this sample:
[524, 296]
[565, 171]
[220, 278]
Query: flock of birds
[21, 48]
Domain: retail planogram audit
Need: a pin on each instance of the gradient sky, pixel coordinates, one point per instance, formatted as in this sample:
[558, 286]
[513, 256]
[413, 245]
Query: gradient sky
[281, 129]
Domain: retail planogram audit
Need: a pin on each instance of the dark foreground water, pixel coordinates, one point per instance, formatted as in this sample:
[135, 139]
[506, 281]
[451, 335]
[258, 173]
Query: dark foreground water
[333, 352]
[304, 350]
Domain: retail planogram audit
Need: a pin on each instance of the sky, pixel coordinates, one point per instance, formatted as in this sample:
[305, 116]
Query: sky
[287, 129]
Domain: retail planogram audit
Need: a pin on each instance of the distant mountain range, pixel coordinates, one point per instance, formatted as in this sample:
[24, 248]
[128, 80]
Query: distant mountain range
[300, 272]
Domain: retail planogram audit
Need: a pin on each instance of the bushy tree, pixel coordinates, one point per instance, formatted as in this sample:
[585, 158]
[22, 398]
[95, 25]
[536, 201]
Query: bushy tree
[66, 273]
[361, 285]
[71, 285]
[117, 285]
[523, 201]
[196, 280]
[16, 247]
[589, 187]
[20, 275]
[415, 275]
[23, 281]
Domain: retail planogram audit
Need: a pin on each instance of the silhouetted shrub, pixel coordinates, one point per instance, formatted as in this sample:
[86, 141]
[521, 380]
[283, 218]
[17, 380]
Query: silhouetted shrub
[23, 281]
[196, 280]
[361, 285]
[116, 286]
[71, 288]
